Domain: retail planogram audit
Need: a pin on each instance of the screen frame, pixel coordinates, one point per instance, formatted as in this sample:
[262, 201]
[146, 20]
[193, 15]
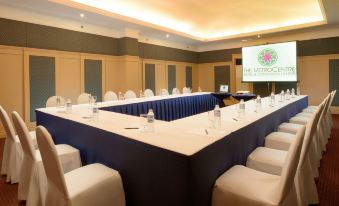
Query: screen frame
[296, 65]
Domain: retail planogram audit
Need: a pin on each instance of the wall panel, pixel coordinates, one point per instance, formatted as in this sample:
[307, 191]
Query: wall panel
[11, 79]
[68, 76]
[41, 81]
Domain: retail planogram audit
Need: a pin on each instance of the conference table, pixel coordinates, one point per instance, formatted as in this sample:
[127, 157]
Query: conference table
[178, 163]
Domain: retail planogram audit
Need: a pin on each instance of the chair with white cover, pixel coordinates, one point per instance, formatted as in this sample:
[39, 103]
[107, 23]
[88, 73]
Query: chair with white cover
[148, 93]
[32, 166]
[12, 155]
[110, 96]
[130, 95]
[83, 98]
[52, 101]
[241, 185]
[185, 90]
[175, 91]
[286, 131]
[272, 161]
[93, 184]
[164, 92]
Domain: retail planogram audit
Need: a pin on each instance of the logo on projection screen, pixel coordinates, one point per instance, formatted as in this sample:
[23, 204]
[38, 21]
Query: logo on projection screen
[267, 57]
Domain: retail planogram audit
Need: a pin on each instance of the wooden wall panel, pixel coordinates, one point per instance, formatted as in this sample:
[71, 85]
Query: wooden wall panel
[113, 75]
[68, 73]
[11, 79]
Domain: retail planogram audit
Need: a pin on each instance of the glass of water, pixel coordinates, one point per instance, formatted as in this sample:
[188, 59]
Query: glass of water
[143, 122]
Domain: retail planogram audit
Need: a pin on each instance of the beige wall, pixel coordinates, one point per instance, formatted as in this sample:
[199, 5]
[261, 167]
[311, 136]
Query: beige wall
[121, 73]
[161, 78]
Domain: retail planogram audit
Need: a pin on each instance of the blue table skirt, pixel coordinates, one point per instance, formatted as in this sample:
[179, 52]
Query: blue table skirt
[153, 176]
[169, 109]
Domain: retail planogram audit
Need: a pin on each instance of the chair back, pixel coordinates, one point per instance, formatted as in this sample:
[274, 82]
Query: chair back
[110, 96]
[148, 93]
[311, 128]
[164, 92]
[290, 167]
[24, 136]
[326, 106]
[83, 98]
[51, 161]
[52, 101]
[185, 90]
[7, 124]
[175, 91]
[130, 95]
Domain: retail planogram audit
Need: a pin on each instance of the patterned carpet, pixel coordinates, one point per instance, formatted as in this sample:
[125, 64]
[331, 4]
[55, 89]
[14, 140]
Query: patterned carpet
[327, 183]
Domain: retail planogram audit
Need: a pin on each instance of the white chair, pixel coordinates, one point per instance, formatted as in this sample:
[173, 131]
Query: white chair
[245, 186]
[148, 93]
[52, 101]
[94, 184]
[164, 92]
[110, 96]
[83, 98]
[12, 155]
[282, 139]
[130, 95]
[175, 91]
[31, 167]
[272, 161]
[185, 90]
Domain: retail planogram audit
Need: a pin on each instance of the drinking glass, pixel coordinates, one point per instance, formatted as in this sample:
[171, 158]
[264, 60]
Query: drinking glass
[143, 122]
[211, 118]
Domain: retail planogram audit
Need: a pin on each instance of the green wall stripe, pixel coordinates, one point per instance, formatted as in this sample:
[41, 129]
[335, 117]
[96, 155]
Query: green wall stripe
[262, 88]
[172, 78]
[150, 77]
[93, 78]
[222, 76]
[279, 86]
[334, 79]
[16, 33]
[189, 76]
[42, 82]
[150, 51]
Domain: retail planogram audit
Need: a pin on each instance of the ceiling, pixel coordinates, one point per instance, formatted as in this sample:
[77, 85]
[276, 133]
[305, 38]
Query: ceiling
[192, 22]
[208, 20]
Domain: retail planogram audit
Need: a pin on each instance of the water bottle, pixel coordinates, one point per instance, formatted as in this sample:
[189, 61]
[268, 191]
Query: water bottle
[68, 106]
[217, 117]
[272, 99]
[293, 93]
[282, 96]
[150, 120]
[298, 91]
[199, 89]
[141, 95]
[95, 113]
[288, 93]
[160, 92]
[258, 104]
[242, 108]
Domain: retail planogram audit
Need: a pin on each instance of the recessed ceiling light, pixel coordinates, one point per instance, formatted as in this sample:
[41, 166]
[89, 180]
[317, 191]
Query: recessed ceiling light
[167, 35]
[258, 36]
[82, 15]
[244, 40]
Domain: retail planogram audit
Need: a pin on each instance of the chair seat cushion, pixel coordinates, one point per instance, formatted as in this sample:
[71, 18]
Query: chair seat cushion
[289, 128]
[245, 186]
[279, 140]
[299, 120]
[267, 160]
[304, 114]
[310, 110]
[95, 184]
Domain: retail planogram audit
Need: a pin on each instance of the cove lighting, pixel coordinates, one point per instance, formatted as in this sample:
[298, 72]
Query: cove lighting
[196, 22]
